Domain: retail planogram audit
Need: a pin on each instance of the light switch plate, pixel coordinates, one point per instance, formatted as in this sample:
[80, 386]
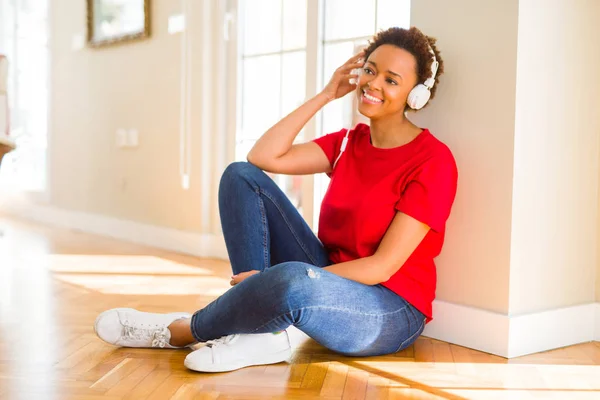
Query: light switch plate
[176, 23]
[77, 42]
[121, 137]
[132, 138]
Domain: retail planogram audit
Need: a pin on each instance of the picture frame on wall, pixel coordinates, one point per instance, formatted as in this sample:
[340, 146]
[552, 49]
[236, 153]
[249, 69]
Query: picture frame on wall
[112, 22]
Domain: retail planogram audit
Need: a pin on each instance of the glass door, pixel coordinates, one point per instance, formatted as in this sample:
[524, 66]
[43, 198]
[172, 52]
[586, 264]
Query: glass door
[24, 41]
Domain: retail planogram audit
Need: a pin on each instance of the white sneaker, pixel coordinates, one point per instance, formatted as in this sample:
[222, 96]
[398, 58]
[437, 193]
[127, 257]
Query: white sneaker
[238, 351]
[127, 327]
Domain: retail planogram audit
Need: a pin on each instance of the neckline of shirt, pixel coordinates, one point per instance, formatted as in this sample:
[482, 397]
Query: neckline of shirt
[366, 133]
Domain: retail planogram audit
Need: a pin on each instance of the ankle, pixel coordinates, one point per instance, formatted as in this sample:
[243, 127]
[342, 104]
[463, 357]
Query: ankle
[181, 333]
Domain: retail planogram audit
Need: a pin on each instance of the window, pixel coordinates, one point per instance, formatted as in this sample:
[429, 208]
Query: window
[24, 40]
[285, 55]
[272, 62]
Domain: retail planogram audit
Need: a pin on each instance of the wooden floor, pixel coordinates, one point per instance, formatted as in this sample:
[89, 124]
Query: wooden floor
[54, 282]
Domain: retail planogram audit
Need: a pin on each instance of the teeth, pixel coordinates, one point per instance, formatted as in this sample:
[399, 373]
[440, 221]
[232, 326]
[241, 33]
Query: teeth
[371, 98]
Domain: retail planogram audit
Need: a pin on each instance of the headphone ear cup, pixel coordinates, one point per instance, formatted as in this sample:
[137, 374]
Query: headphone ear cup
[418, 97]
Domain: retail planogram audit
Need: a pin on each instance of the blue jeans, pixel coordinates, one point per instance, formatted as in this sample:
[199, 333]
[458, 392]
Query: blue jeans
[264, 231]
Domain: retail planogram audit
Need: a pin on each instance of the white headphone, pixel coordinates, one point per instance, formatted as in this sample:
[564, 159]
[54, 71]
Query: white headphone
[419, 96]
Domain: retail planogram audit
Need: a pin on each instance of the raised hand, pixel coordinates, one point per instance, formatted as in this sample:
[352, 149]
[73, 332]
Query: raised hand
[340, 84]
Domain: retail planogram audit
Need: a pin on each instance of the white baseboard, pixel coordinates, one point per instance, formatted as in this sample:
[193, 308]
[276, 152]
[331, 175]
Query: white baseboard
[200, 245]
[469, 327]
[514, 336]
[532, 333]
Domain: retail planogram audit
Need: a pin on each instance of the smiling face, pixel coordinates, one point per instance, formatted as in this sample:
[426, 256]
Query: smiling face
[388, 76]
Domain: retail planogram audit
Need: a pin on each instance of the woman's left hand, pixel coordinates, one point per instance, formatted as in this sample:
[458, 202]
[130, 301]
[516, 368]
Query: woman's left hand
[235, 279]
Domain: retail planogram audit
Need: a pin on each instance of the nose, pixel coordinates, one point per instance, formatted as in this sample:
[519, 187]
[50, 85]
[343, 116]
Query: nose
[375, 83]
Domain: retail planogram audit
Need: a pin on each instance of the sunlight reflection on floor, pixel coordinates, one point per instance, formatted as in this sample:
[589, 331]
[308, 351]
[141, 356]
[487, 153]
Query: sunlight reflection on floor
[465, 376]
[136, 264]
[135, 275]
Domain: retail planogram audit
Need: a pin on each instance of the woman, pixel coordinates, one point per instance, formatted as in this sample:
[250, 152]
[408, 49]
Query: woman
[366, 287]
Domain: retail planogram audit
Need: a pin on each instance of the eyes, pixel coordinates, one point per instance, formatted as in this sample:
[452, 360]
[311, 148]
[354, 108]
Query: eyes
[369, 71]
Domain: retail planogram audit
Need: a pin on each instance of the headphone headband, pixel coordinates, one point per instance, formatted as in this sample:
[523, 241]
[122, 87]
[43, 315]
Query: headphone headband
[434, 68]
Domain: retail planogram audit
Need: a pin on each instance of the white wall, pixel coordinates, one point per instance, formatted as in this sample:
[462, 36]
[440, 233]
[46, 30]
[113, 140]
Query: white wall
[474, 113]
[136, 85]
[555, 190]
[518, 105]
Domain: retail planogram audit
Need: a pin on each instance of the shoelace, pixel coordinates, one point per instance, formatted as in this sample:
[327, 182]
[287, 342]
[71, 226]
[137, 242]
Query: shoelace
[220, 341]
[158, 335]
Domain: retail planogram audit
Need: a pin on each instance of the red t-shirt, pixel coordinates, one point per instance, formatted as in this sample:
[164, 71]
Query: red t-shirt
[369, 185]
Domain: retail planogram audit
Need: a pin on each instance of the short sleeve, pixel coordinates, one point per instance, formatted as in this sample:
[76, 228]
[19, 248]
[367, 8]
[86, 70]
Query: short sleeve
[331, 143]
[429, 196]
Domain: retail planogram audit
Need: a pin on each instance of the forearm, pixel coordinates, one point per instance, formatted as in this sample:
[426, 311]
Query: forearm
[367, 270]
[278, 140]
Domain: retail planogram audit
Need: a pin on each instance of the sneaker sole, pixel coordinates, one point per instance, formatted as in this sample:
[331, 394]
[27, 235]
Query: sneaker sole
[271, 359]
[99, 317]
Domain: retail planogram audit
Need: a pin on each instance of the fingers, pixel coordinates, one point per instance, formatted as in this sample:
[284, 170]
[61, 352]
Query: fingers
[354, 61]
[357, 57]
[353, 79]
[235, 279]
[350, 69]
[349, 66]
